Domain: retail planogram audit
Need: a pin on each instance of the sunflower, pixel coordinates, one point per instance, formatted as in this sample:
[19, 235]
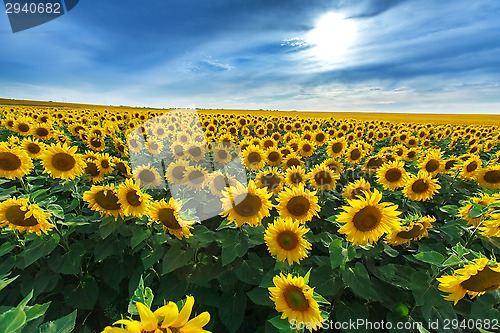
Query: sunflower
[195, 177]
[306, 148]
[474, 279]
[292, 159]
[104, 200]
[470, 166]
[195, 151]
[356, 189]
[147, 176]
[92, 169]
[167, 318]
[273, 156]
[322, 178]
[221, 154]
[42, 131]
[23, 126]
[167, 214]
[14, 162]
[246, 205]
[413, 228]
[105, 163]
[218, 182]
[432, 162]
[298, 203]
[366, 219]
[336, 147]
[154, 146]
[334, 165]
[134, 143]
[284, 239]
[175, 171]
[450, 165]
[271, 178]
[134, 202]
[354, 154]
[483, 200]
[421, 187]
[295, 175]
[373, 163]
[33, 147]
[96, 143]
[491, 226]
[254, 157]
[392, 175]
[295, 299]
[20, 215]
[489, 177]
[62, 161]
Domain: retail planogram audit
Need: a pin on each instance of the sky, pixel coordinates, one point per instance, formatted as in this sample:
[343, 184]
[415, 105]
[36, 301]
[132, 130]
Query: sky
[421, 56]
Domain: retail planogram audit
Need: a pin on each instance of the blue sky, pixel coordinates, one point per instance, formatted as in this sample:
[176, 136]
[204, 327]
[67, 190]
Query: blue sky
[366, 55]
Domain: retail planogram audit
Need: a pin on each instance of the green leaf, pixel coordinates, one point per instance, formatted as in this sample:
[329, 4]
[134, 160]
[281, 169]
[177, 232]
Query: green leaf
[347, 313]
[430, 257]
[37, 249]
[65, 324]
[338, 255]
[36, 311]
[452, 260]
[56, 210]
[320, 299]
[234, 247]
[460, 250]
[176, 257]
[358, 280]
[450, 209]
[249, 271]
[12, 321]
[84, 295]
[108, 226]
[232, 309]
[69, 262]
[281, 324]
[5, 282]
[260, 296]
[6, 248]
[143, 295]
[477, 211]
[150, 257]
[307, 276]
[139, 237]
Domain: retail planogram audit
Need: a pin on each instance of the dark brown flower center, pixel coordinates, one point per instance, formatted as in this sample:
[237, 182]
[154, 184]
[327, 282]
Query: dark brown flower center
[295, 299]
[247, 204]
[254, 158]
[323, 178]
[15, 216]
[220, 183]
[393, 175]
[222, 154]
[293, 162]
[416, 231]
[42, 132]
[195, 151]
[492, 177]
[23, 127]
[287, 240]
[178, 172]
[337, 147]
[472, 166]
[355, 154]
[147, 176]
[196, 177]
[273, 156]
[107, 200]
[420, 186]
[367, 218]
[63, 162]
[33, 148]
[133, 199]
[9, 161]
[167, 218]
[374, 163]
[432, 165]
[296, 178]
[271, 181]
[485, 280]
[298, 206]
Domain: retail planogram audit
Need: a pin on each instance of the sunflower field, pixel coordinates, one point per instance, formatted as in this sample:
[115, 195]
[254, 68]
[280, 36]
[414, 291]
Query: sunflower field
[136, 220]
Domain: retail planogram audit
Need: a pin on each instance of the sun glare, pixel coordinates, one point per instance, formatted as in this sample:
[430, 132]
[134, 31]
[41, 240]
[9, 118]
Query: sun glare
[331, 38]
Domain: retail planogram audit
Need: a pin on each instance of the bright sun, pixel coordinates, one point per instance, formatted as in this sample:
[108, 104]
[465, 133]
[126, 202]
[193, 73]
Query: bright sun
[331, 38]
